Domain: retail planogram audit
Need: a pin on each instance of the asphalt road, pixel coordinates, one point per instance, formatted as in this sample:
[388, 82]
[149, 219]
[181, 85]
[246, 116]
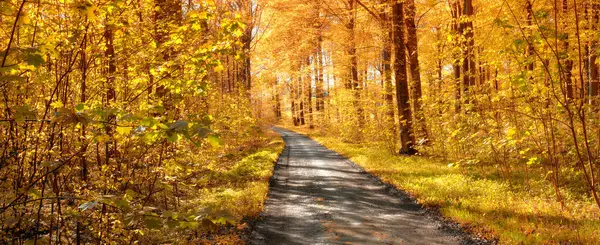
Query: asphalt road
[318, 197]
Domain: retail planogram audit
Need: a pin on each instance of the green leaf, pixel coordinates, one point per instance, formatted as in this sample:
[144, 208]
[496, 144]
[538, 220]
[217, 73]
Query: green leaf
[172, 137]
[10, 78]
[79, 107]
[214, 140]
[35, 59]
[122, 203]
[148, 122]
[23, 113]
[129, 194]
[541, 14]
[35, 193]
[152, 223]
[172, 223]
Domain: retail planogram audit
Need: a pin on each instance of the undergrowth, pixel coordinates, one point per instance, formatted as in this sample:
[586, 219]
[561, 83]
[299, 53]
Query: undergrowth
[234, 187]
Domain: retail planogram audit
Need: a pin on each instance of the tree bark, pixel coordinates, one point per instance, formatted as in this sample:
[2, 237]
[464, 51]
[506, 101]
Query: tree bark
[109, 55]
[567, 66]
[386, 56]
[293, 101]
[277, 100]
[309, 97]
[83, 100]
[456, 30]
[530, 49]
[593, 56]
[166, 13]
[468, 65]
[354, 83]
[415, 71]
[320, 104]
[404, 111]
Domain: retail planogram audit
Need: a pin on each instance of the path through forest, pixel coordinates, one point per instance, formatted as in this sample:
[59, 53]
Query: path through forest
[319, 197]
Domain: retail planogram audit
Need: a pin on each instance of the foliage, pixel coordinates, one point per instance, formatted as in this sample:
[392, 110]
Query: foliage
[116, 124]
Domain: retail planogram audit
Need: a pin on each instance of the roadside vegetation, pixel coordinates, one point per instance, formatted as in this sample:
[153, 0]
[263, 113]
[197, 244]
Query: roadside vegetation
[509, 211]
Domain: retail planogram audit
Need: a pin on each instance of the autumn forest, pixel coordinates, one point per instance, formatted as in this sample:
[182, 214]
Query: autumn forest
[175, 121]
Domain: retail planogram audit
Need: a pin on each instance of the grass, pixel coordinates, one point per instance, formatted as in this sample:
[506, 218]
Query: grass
[239, 189]
[484, 204]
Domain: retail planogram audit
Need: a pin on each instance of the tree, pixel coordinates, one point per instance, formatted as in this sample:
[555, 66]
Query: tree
[415, 70]
[402, 98]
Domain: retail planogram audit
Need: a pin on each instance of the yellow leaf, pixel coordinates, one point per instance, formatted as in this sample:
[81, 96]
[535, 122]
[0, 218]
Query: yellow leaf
[57, 104]
[102, 138]
[511, 133]
[219, 68]
[124, 130]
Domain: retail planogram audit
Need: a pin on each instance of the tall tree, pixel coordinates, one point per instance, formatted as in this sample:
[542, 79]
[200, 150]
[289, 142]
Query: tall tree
[319, 83]
[565, 61]
[386, 59]
[530, 64]
[455, 10]
[592, 58]
[415, 70]
[111, 94]
[468, 47]
[309, 95]
[293, 95]
[353, 82]
[402, 97]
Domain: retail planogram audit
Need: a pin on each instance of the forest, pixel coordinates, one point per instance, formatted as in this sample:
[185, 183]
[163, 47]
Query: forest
[152, 121]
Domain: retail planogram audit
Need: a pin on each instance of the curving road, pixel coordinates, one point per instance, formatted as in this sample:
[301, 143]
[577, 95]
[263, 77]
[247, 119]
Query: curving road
[318, 197]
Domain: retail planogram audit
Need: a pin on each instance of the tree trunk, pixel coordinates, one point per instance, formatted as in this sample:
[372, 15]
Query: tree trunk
[354, 83]
[468, 65]
[277, 100]
[456, 30]
[319, 73]
[386, 56]
[404, 111]
[293, 101]
[530, 49]
[309, 98]
[166, 13]
[109, 55]
[593, 56]
[246, 40]
[415, 71]
[567, 65]
[83, 99]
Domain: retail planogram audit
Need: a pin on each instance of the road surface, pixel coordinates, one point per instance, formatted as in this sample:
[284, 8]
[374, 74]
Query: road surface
[318, 197]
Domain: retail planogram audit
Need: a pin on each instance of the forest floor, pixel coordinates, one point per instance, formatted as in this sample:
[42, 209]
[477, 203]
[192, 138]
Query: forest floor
[318, 196]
